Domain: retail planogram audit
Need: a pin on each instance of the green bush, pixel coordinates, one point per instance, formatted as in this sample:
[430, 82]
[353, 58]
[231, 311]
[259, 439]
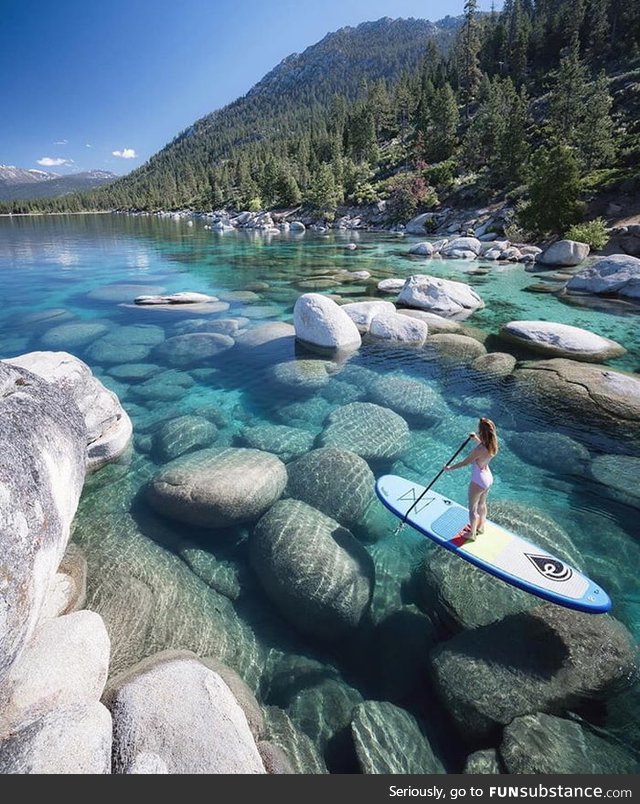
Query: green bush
[592, 232]
[442, 174]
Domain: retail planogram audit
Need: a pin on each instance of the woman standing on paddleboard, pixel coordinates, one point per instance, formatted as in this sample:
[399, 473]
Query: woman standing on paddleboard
[481, 477]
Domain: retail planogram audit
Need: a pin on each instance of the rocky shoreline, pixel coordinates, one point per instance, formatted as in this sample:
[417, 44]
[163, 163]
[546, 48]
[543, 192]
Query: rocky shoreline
[85, 691]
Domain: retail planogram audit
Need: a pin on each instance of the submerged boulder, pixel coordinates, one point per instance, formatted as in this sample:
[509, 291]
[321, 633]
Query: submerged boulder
[182, 435]
[285, 442]
[415, 401]
[314, 570]
[371, 431]
[300, 749]
[43, 442]
[544, 744]
[335, 481]
[615, 472]
[389, 740]
[194, 349]
[218, 487]
[578, 657]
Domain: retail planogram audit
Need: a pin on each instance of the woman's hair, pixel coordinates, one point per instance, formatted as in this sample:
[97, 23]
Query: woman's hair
[489, 436]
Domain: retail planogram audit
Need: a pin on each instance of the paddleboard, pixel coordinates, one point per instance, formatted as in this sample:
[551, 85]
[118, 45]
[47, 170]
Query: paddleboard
[497, 551]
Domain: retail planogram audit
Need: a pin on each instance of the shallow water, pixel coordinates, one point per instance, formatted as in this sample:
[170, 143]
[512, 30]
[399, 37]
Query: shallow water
[159, 584]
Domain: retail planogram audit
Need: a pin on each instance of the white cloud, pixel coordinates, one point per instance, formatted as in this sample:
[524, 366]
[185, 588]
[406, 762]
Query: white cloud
[61, 142]
[126, 153]
[88, 145]
[49, 161]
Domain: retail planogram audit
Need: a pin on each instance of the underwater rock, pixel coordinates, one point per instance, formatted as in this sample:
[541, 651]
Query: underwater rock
[168, 386]
[285, 442]
[552, 451]
[274, 758]
[134, 372]
[42, 462]
[578, 657]
[122, 292]
[304, 376]
[132, 343]
[495, 365]
[218, 487]
[220, 575]
[307, 414]
[485, 761]
[191, 350]
[220, 326]
[389, 740]
[172, 706]
[314, 570]
[273, 342]
[455, 348]
[546, 744]
[182, 435]
[415, 401]
[369, 430]
[298, 747]
[73, 336]
[614, 472]
[337, 482]
[69, 740]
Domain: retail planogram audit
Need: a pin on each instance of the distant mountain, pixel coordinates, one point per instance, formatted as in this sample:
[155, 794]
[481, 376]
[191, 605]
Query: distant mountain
[290, 101]
[20, 184]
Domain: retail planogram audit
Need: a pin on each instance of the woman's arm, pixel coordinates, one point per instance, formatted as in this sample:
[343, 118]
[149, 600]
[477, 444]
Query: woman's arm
[471, 457]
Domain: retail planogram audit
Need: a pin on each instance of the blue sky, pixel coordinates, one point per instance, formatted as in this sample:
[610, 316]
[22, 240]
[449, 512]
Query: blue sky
[106, 85]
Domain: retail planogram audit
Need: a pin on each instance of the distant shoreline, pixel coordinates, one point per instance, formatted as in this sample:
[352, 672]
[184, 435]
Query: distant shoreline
[49, 214]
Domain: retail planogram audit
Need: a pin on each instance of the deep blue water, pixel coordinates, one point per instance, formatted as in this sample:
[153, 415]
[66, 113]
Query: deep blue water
[88, 268]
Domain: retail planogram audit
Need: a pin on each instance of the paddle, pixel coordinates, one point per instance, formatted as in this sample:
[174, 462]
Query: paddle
[430, 486]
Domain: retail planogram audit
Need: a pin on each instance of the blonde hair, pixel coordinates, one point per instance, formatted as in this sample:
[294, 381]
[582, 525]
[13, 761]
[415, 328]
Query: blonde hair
[488, 435]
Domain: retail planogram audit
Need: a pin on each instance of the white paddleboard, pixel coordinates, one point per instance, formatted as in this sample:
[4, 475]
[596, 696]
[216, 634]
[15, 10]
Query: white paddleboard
[497, 551]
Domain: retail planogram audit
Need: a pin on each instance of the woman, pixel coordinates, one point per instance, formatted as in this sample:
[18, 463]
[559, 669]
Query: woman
[481, 477]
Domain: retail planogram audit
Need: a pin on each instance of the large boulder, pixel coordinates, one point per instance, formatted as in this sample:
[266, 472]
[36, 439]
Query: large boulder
[218, 487]
[561, 340]
[314, 570]
[182, 435]
[194, 349]
[460, 245]
[389, 740]
[485, 761]
[108, 426]
[184, 297]
[496, 365]
[128, 344]
[399, 329]
[576, 392]
[419, 224]
[577, 657]
[614, 473]
[335, 481]
[172, 706]
[414, 400]
[43, 441]
[371, 431]
[73, 335]
[422, 249]
[544, 744]
[564, 252]
[284, 441]
[319, 321]
[72, 739]
[436, 323]
[456, 348]
[303, 376]
[65, 663]
[552, 451]
[442, 296]
[618, 274]
[68, 589]
[362, 313]
[299, 748]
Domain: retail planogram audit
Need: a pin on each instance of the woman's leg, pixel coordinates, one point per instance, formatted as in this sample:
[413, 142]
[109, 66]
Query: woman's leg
[475, 493]
[482, 510]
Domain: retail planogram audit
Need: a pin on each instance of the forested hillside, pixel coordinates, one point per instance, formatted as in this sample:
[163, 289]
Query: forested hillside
[540, 102]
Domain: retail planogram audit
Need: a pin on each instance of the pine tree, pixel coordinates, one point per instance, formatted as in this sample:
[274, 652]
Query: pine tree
[469, 51]
[554, 190]
[599, 29]
[510, 170]
[595, 133]
[568, 93]
[323, 194]
[446, 117]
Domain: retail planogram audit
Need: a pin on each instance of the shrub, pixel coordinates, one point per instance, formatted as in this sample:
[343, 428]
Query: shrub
[592, 232]
[408, 193]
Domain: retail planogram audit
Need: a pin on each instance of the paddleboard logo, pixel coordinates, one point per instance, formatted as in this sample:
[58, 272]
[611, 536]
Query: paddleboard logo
[412, 495]
[550, 568]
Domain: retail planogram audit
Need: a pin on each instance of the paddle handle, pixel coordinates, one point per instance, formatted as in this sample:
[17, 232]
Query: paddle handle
[436, 478]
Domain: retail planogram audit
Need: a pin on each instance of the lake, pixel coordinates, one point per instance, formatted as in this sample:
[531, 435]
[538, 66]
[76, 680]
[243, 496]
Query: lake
[163, 585]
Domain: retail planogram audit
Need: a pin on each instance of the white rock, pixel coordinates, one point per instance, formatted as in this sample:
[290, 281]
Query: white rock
[391, 285]
[319, 321]
[173, 707]
[525, 249]
[436, 323]
[417, 225]
[70, 740]
[458, 254]
[65, 663]
[561, 340]
[399, 329]
[618, 274]
[492, 254]
[564, 252]
[184, 297]
[463, 244]
[422, 249]
[297, 226]
[362, 313]
[511, 254]
[109, 428]
[441, 296]
[439, 245]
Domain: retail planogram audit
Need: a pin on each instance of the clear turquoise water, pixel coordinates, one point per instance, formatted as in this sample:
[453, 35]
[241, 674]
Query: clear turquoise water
[163, 585]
